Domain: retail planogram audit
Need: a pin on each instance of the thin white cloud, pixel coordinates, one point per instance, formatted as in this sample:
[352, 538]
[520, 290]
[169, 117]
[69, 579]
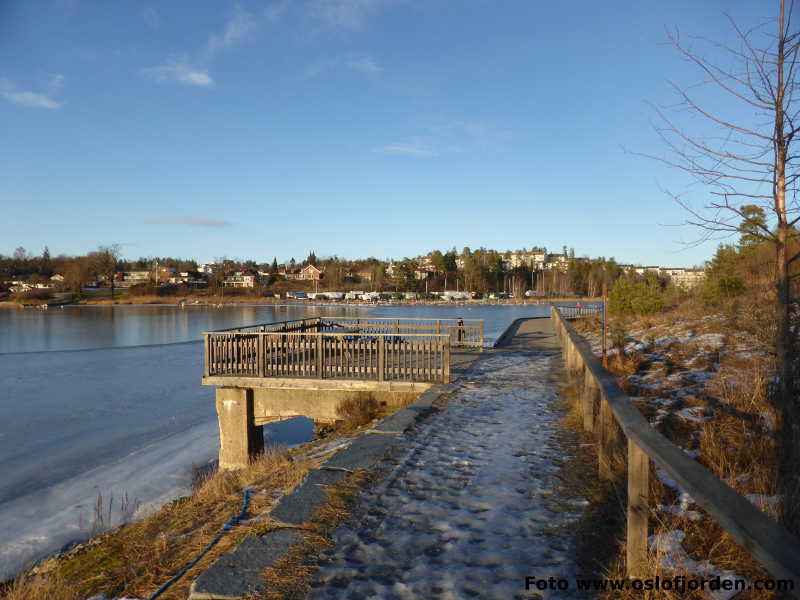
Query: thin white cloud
[178, 69]
[469, 135]
[361, 64]
[193, 221]
[55, 81]
[275, 11]
[365, 65]
[342, 14]
[239, 27]
[482, 131]
[152, 18]
[407, 149]
[23, 98]
[320, 67]
[452, 137]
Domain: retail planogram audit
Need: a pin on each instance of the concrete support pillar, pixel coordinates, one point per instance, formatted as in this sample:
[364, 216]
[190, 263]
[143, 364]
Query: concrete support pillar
[239, 437]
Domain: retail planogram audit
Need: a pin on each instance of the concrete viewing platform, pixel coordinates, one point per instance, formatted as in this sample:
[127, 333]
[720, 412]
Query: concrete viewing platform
[310, 367]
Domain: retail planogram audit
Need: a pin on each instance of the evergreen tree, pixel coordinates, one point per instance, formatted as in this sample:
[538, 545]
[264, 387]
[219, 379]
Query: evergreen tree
[722, 276]
[754, 220]
[46, 266]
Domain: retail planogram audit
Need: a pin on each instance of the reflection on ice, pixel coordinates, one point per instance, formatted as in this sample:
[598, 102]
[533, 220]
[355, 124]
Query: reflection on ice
[130, 419]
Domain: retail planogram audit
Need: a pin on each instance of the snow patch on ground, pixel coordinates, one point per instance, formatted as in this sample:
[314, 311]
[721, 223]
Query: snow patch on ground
[472, 507]
[672, 557]
[714, 341]
[764, 501]
[684, 499]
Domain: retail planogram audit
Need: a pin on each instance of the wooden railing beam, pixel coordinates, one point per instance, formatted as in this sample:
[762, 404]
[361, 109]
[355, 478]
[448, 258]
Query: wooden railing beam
[767, 542]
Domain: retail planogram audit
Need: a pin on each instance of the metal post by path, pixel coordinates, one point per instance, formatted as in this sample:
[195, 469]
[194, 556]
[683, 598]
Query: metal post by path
[605, 342]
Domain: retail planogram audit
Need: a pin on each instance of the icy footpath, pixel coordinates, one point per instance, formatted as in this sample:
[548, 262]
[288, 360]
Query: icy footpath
[472, 507]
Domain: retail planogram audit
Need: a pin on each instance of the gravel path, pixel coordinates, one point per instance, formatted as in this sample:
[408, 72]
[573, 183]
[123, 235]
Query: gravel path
[472, 507]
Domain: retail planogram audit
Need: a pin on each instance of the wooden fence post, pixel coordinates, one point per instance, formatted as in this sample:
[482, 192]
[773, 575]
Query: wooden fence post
[206, 355]
[320, 363]
[590, 393]
[446, 361]
[638, 473]
[382, 356]
[260, 360]
[605, 435]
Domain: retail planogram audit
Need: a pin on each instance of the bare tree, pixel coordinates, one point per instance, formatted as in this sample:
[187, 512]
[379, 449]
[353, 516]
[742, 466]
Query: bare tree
[749, 160]
[77, 274]
[105, 260]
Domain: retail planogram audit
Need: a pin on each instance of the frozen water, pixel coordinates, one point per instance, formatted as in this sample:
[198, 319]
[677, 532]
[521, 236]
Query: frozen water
[114, 422]
[101, 400]
[472, 508]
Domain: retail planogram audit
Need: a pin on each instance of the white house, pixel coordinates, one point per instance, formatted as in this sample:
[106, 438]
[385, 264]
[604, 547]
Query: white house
[241, 279]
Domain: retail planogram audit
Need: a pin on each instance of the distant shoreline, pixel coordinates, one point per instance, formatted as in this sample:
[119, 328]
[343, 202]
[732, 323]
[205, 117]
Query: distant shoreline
[216, 301]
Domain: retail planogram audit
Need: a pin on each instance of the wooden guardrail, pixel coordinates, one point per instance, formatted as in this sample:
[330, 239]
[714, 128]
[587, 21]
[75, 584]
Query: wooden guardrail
[605, 406]
[573, 312]
[462, 332]
[327, 355]
[301, 325]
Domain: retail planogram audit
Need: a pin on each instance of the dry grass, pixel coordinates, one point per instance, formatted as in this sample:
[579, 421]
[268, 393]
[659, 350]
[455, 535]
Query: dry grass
[137, 558]
[357, 411]
[737, 440]
[42, 587]
[290, 577]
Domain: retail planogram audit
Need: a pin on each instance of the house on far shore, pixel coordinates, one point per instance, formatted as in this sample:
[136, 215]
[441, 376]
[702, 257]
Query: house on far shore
[307, 273]
[424, 272]
[241, 279]
[645, 270]
[311, 272]
[57, 278]
[556, 261]
[685, 278]
[188, 278]
[208, 268]
[131, 278]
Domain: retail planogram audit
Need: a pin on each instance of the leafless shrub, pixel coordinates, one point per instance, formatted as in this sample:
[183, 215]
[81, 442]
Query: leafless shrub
[358, 411]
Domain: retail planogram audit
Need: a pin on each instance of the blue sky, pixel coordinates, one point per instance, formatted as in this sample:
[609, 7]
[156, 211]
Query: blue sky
[351, 127]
